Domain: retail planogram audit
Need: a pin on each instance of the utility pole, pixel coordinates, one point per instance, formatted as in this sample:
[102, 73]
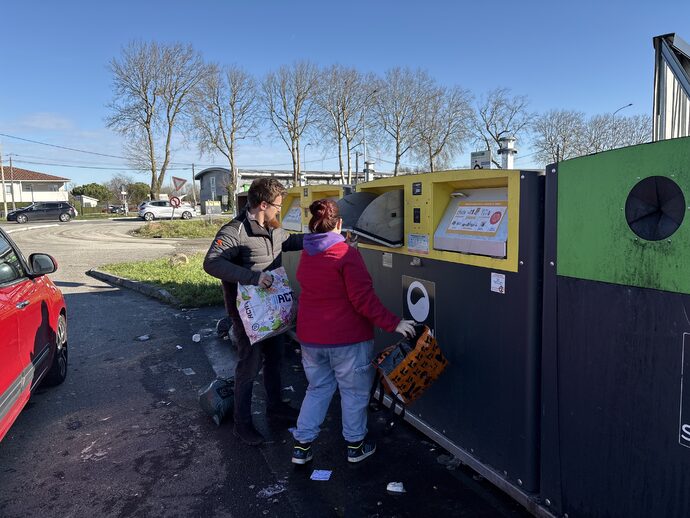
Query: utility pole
[14, 207]
[193, 187]
[4, 191]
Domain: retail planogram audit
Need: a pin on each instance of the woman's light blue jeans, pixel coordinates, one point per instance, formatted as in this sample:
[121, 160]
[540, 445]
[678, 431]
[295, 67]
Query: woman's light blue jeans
[347, 367]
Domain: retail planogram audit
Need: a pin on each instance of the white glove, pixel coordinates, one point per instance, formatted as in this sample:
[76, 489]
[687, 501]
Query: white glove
[406, 328]
[265, 280]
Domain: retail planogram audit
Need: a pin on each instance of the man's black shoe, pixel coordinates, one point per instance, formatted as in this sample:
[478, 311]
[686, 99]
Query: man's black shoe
[358, 451]
[301, 452]
[282, 411]
[248, 434]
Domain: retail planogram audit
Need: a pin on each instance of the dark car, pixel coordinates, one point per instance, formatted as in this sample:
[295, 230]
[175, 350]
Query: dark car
[33, 329]
[41, 211]
[116, 209]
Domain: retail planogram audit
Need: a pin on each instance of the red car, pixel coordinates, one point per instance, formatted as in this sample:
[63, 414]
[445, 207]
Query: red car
[33, 329]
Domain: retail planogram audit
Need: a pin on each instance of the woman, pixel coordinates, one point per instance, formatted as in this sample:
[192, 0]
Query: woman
[336, 315]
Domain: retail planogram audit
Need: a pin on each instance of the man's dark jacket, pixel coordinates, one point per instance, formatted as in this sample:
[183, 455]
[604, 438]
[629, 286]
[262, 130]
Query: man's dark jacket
[241, 250]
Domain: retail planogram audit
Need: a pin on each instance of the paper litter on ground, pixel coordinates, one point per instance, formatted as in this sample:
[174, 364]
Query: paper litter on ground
[321, 474]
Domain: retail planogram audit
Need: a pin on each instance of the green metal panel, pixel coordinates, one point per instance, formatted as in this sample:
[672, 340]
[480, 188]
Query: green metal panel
[594, 239]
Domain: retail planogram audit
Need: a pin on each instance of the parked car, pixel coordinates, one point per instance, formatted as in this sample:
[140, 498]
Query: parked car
[41, 211]
[116, 209]
[162, 209]
[33, 329]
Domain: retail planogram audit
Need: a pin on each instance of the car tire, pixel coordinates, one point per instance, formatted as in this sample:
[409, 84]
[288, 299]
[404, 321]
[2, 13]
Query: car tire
[148, 216]
[58, 369]
[21, 218]
[186, 215]
[64, 217]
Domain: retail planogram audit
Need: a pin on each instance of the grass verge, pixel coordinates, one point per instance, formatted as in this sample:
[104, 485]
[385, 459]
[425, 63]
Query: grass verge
[96, 215]
[187, 282]
[181, 228]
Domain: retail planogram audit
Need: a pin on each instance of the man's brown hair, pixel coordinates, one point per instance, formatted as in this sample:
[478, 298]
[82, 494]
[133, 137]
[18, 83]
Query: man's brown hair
[264, 189]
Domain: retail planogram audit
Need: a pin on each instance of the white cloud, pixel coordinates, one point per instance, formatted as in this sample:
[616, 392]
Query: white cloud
[45, 121]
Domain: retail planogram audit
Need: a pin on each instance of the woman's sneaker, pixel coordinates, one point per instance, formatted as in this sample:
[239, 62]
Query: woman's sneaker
[301, 452]
[358, 451]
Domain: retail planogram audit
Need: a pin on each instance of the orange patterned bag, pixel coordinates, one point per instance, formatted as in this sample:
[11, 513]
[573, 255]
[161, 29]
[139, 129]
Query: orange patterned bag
[408, 368]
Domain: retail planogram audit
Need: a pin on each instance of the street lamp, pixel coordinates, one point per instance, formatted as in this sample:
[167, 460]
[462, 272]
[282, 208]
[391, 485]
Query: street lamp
[613, 122]
[357, 155]
[364, 130]
[304, 167]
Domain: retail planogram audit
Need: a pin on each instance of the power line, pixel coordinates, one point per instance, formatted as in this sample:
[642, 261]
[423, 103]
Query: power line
[525, 156]
[61, 147]
[96, 167]
[186, 164]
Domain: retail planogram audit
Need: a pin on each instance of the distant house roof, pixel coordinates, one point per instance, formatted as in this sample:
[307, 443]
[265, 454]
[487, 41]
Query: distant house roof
[24, 175]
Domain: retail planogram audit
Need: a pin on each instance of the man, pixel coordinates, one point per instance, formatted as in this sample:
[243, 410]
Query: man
[243, 251]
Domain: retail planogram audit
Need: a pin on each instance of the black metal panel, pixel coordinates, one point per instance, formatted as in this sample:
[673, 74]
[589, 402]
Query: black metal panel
[550, 449]
[487, 400]
[619, 364]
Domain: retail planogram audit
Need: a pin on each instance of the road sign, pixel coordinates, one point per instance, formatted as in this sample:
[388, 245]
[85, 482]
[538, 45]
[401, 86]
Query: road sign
[178, 182]
[175, 202]
[480, 159]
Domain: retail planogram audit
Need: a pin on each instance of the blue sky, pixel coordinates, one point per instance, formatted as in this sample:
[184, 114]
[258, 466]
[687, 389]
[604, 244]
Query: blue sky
[588, 56]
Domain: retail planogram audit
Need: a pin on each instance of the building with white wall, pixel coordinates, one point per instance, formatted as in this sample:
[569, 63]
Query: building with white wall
[22, 186]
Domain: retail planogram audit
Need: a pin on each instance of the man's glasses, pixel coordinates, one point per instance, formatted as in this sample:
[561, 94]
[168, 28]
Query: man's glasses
[275, 205]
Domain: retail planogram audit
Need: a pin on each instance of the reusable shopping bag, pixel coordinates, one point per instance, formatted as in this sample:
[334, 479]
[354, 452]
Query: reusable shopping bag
[267, 312]
[406, 369]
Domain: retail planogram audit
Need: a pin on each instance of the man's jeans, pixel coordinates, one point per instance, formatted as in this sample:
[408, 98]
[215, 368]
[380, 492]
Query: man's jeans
[349, 369]
[250, 359]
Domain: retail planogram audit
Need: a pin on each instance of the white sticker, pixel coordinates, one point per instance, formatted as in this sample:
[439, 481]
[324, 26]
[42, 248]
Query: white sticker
[684, 428]
[418, 243]
[387, 260]
[478, 218]
[498, 283]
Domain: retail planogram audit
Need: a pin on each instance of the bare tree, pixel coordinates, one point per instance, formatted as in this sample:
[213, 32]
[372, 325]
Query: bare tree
[563, 134]
[596, 135]
[397, 105]
[557, 134]
[288, 98]
[361, 93]
[629, 131]
[226, 110]
[443, 125]
[153, 86]
[604, 132]
[500, 114]
[337, 88]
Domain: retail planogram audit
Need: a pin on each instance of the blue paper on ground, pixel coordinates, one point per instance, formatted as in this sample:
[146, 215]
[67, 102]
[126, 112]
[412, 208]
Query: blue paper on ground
[321, 474]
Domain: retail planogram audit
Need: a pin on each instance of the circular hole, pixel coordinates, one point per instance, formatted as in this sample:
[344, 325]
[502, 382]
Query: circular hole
[655, 208]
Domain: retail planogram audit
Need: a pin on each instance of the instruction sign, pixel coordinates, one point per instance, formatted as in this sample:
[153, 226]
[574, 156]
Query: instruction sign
[480, 159]
[418, 243]
[479, 218]
[498, 283]
[292, 220]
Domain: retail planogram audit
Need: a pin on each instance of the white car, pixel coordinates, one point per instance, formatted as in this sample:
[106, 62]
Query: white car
[163, 210]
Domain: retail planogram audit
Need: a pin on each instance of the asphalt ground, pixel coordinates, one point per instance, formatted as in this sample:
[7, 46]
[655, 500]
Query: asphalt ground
[124, 435]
